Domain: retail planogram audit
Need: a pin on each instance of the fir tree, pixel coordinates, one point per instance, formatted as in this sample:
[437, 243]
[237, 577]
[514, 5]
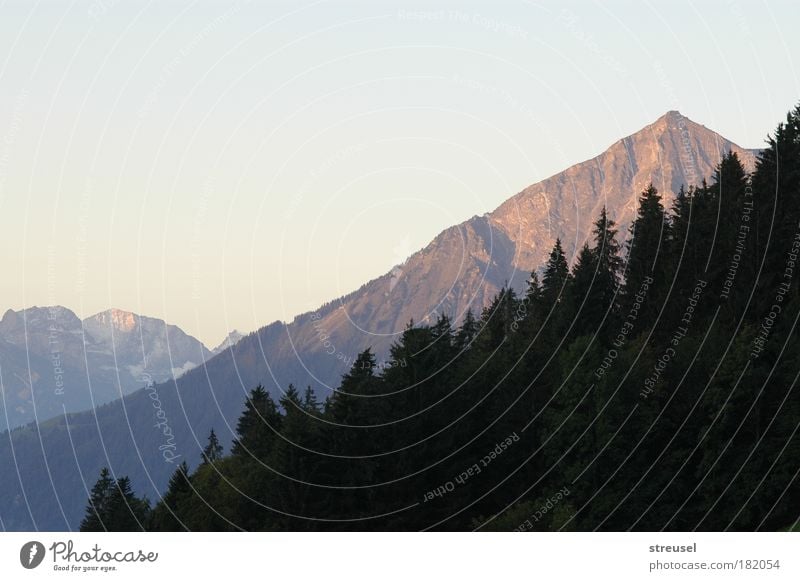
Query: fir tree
[165, 516]
[213, 450]
[126, 512]
[97, 508]
[257, 426]
[114, 507]
[467, 332]
[555, 276]
[609, 263]
[646, 261]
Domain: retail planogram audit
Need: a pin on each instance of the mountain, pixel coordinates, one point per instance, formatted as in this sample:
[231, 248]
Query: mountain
[465, 266]
[671, 152]
[230, 340]
[51, 361]
[148, 432]
[147, 348]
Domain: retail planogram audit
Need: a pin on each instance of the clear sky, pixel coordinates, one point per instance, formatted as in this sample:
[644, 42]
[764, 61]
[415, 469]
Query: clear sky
[223, 164]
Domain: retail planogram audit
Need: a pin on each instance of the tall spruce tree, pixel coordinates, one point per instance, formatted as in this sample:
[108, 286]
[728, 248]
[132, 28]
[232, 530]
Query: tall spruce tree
[213, 450]
[166, 515]
[580, 296]
[557, 311]
[113, 507]
[97, 508]
[647, 256]
[609, 265]
[555, 276]
[467, 332]
[126, 512]
[258, 425]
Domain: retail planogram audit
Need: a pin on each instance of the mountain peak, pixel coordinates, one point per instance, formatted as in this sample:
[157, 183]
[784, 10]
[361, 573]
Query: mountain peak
[35, 317]
[671, 152]
[674, 121]
[229, 341]
[119, 319]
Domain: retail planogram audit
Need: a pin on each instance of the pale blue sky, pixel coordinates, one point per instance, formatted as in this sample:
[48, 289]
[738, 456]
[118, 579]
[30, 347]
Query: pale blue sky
[225, 164]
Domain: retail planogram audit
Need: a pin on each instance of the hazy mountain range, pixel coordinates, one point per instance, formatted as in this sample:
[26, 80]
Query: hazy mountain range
[148, 431]
[51, 361]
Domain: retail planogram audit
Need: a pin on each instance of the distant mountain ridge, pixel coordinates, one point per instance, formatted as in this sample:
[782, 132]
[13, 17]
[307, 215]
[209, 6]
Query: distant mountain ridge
[463, 267]
[230, 340]
[50, 360]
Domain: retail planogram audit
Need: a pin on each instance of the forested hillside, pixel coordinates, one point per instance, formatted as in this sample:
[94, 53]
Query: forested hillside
[651, 385]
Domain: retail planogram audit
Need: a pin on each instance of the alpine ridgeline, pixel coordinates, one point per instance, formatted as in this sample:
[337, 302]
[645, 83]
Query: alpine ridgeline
[53, 362]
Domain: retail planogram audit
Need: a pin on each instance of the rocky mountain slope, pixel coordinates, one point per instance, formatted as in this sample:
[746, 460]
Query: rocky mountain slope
[671, 152]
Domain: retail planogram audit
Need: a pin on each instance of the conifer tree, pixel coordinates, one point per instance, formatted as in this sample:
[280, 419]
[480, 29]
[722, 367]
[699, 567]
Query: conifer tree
[126, 512]
[467, 332]
[647, 256]
[557, 309]
[609, 263]
[166, 514]
[213, 450]
[97, 508]
[114, 507]
[580, 296]
[257, 426]
[555, 276]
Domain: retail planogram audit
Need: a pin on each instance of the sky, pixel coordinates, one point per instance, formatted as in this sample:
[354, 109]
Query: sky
[223, 164]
